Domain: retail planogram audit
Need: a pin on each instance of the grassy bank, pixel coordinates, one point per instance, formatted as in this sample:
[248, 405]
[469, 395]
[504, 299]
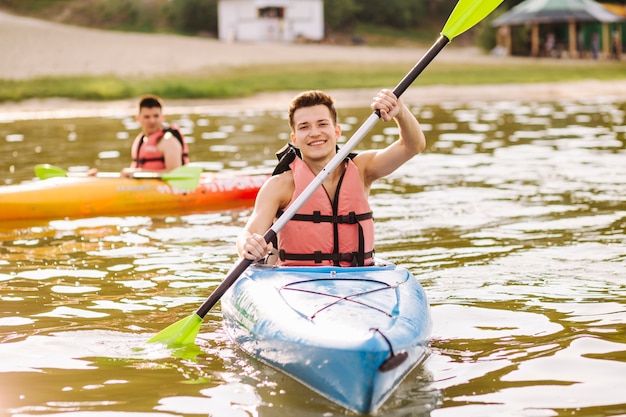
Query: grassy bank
[241, 82]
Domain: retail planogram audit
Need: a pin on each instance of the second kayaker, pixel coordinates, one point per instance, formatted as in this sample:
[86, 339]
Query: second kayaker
[158, 147]
[335, 225]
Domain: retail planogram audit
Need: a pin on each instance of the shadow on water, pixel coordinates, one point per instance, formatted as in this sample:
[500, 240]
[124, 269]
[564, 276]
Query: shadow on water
[513, 219]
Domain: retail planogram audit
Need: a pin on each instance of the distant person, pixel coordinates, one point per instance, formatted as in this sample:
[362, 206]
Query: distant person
[580, 44]
[158, 147]
[595, 45]
[549, 45]
[335, 226]
[616, 46]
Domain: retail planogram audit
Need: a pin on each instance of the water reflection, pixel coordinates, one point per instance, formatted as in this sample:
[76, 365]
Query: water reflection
[514, 218]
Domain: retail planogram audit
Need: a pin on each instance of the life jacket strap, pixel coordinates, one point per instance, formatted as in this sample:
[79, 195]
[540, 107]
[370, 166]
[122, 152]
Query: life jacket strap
[317, 217]
[318, 257]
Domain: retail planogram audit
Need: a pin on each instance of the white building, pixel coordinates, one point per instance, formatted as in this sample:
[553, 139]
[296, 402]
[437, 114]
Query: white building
[270, 20]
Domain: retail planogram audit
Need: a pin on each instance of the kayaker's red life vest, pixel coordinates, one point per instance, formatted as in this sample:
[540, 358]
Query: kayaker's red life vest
[146, 155]
[324, 232]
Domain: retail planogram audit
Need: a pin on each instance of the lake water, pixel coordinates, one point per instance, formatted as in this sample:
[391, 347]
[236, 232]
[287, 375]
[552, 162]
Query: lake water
[513, 219]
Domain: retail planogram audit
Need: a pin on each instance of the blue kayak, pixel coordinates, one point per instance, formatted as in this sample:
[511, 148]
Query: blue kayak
[350, 334]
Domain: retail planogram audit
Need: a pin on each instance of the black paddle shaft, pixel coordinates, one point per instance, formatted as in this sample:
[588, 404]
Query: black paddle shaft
[230, 279]
[420, 65]
[244, 263]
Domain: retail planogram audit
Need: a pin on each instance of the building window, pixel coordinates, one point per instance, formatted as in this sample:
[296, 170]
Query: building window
[272, 12]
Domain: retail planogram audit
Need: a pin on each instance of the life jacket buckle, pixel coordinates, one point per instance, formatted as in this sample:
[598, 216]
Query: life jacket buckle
[317, 257]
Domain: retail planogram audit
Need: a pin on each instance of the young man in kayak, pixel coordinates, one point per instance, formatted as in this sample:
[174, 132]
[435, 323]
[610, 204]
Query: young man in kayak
[335, 225]
[157, 147]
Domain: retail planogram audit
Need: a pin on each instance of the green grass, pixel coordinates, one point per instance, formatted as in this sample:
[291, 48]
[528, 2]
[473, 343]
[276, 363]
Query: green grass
[240, 82]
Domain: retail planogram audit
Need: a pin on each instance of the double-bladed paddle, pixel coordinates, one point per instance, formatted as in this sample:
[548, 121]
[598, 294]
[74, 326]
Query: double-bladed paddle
[185, 178]
[466, 14]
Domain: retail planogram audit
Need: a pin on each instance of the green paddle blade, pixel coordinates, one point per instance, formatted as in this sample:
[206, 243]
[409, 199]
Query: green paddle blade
[184, 178]
[466, 14]
[45, 171]
[181, 333]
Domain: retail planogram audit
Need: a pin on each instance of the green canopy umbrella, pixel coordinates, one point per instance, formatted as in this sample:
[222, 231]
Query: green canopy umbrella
[570, 12]
[556, 11]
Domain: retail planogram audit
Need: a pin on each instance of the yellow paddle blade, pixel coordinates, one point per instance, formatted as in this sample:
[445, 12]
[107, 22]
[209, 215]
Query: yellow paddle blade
[45, 171]
[181, 333]
[466, 14]
[184, 178]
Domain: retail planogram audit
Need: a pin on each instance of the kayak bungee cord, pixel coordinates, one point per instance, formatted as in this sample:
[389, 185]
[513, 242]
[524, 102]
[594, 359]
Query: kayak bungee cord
[339, 298]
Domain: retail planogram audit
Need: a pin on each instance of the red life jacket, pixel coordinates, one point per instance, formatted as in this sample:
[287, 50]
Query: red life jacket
[324, 232]
[146, 154]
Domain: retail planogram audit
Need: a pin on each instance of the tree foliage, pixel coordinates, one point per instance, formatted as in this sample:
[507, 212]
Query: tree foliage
[340, 14]
[343, 15]
[400, 14]
[194, 16]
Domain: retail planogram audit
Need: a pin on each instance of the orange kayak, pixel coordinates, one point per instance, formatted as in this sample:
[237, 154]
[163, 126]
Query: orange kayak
[79, 197]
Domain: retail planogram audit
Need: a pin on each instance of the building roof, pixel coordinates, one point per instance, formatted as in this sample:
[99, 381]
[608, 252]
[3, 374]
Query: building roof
[618, 9]
[556, 11]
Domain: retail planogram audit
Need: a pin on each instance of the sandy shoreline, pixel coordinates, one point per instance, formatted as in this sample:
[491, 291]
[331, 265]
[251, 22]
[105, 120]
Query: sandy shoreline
[33, 48]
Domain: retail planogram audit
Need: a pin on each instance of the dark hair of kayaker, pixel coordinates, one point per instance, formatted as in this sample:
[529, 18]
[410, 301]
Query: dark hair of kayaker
[150, 101]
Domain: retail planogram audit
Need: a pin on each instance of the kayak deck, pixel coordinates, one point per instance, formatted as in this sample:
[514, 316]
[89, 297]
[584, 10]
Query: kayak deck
[79, 197]
[351, 334]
